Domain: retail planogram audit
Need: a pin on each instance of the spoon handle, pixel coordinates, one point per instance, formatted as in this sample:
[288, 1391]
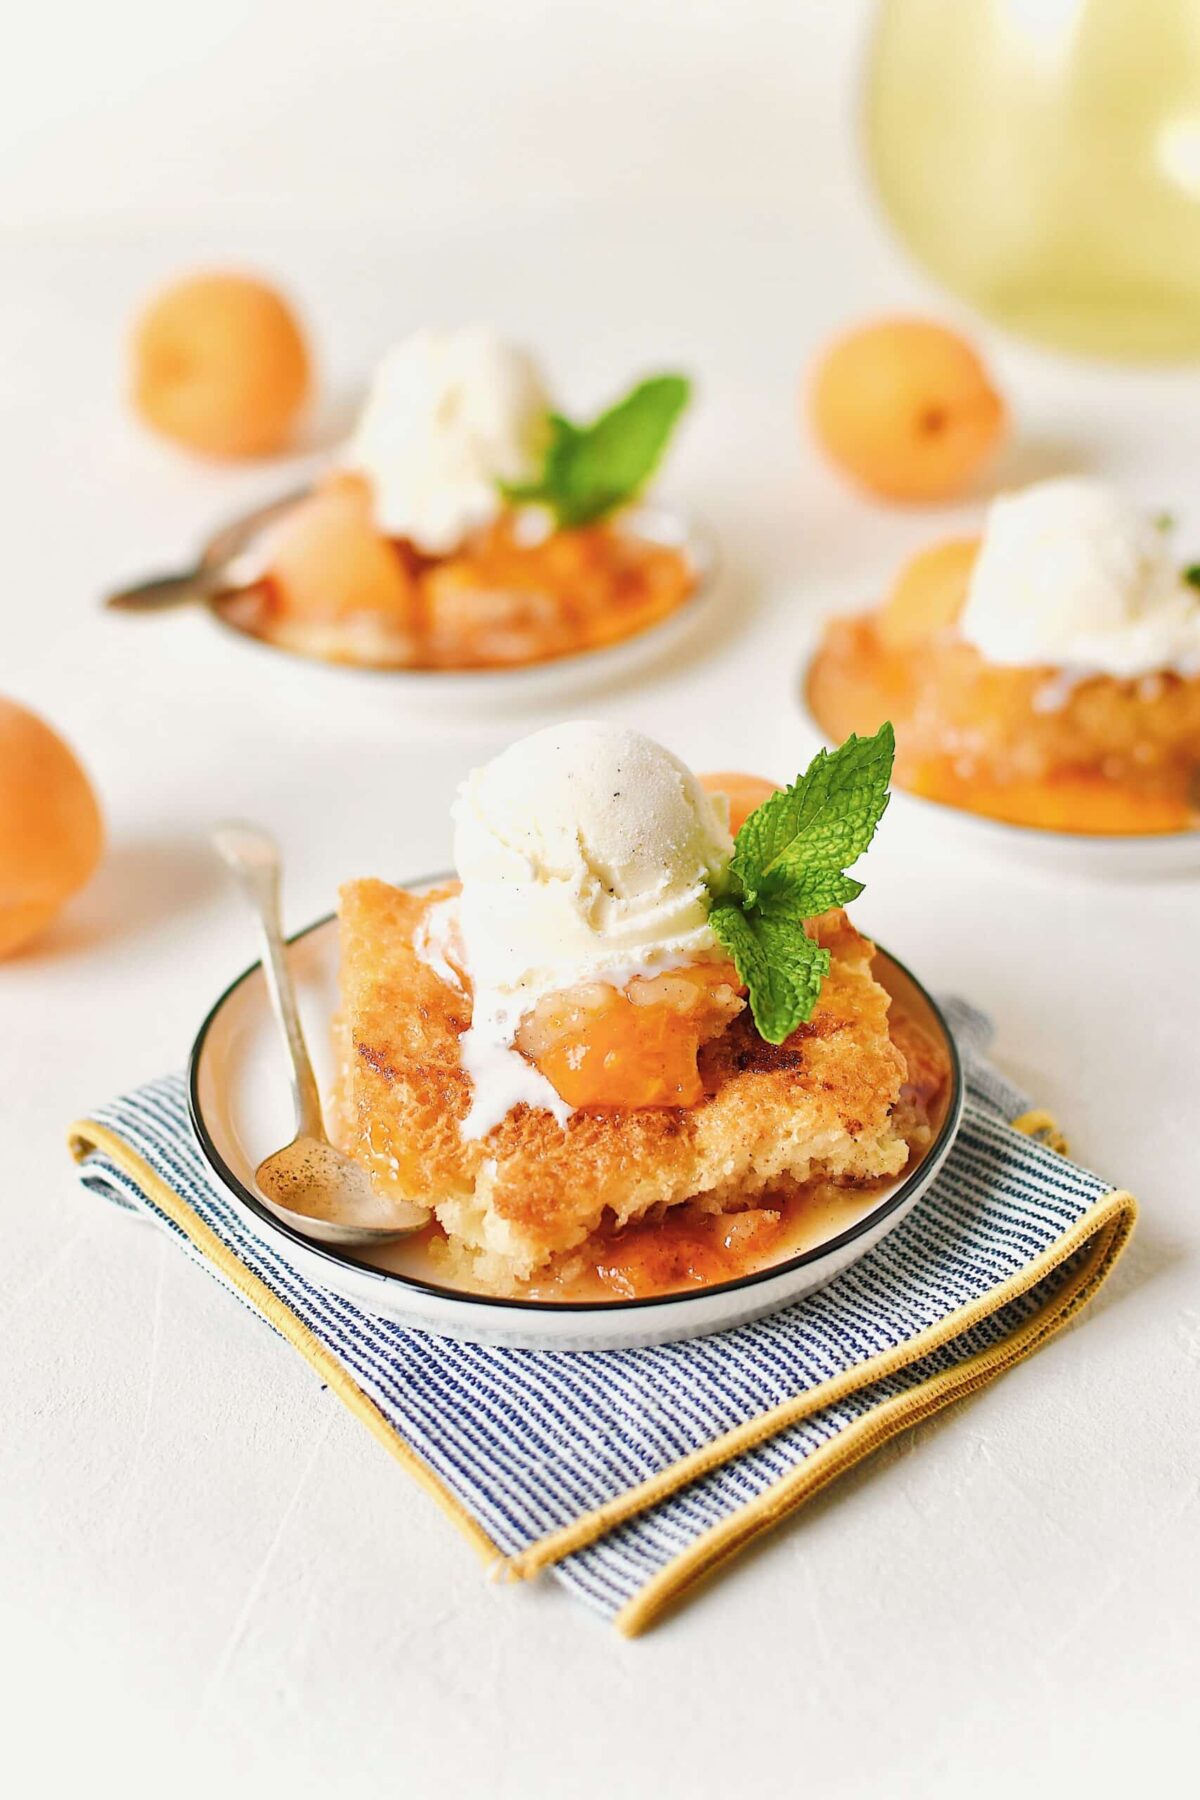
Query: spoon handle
[253, 855]
[162, 591]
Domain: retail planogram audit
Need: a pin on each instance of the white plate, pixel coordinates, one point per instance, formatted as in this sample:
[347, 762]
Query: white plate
[1101, 854]
[525, 682]
[241, 1110]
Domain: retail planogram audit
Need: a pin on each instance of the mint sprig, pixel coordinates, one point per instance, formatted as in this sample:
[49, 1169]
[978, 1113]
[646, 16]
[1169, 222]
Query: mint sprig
[782, 967]
[789, 862]
[590, 470]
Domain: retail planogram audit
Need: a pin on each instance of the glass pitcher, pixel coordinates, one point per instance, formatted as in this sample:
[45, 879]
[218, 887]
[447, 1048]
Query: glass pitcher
[1042, 159]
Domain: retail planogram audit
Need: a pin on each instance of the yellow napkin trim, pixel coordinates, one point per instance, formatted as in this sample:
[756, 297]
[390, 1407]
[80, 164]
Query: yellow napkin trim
[1040, 1124]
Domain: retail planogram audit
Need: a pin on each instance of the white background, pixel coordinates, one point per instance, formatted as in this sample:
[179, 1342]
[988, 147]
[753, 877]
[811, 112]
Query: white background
[208, 1573]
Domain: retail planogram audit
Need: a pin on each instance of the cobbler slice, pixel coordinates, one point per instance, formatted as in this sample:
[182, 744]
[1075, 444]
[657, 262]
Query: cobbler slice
[727, 1117]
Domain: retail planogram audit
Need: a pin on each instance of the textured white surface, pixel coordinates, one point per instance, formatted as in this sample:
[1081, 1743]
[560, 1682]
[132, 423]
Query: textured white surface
[208, 1573]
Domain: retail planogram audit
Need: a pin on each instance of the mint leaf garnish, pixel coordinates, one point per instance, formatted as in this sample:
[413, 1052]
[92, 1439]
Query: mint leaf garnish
[822, 823]
[814, 891]
[788, 866]
[590, 470]
[1192, 574]
[782, 967]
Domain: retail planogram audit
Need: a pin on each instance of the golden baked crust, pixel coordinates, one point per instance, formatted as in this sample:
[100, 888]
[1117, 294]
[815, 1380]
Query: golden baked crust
[820, 1104]
[989, 723]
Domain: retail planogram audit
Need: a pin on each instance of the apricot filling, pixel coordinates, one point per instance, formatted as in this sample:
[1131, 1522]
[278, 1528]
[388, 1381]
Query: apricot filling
[327, 561]
[1025, 745]
[337, 589]
[689, 1248]
[602, 1046]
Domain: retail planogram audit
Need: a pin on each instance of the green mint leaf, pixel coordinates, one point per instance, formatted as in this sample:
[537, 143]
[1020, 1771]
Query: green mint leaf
[1192, 574]
[824, 821]
[781, 966]
[814, 891]
[588, 471]
[607, 463]
[559, 435]
[788, 865]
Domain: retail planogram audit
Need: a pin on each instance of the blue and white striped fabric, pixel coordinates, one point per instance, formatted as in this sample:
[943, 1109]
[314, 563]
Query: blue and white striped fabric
[528, 1441]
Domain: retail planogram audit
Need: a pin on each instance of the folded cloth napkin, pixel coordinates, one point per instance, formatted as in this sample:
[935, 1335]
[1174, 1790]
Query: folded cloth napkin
[633, 1473]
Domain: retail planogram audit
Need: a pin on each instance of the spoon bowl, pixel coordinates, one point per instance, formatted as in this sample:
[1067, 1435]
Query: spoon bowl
[315, 1189]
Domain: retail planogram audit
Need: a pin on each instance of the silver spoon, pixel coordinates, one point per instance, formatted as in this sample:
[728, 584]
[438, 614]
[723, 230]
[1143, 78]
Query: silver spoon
[308, 1184]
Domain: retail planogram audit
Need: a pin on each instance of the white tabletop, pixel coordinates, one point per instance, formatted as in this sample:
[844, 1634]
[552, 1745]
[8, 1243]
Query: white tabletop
[209, 1571]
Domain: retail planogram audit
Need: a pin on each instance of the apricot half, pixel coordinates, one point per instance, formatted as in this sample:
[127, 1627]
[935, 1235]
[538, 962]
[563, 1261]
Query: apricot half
[220, 364]
[603, 1046]
[51, 832]
[929, 593]
[745, 794]
[906, 408]
[328, 560]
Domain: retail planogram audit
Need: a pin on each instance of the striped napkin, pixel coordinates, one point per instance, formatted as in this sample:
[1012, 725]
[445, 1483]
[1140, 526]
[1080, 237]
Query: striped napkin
[631, 1474]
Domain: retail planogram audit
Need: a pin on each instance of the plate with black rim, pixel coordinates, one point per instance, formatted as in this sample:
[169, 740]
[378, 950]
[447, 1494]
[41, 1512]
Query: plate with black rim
[240, 1104]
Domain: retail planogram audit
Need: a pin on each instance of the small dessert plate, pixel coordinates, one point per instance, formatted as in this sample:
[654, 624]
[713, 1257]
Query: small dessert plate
[233, 549]
[241, 1110]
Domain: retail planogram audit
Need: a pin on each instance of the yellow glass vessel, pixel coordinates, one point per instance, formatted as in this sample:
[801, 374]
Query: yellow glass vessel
[1042, 158]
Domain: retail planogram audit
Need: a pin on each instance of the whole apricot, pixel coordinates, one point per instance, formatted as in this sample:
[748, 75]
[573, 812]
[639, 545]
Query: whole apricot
[745, 794]
[328, 560]
[928, 594]
[220, 364]
[51, 832]
[906, 409]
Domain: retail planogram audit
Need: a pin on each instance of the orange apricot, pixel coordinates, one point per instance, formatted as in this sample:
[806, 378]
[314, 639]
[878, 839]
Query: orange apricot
[51, 832]
[220, 364]
[327, 559]
[929, 593]
[626, 1057]
[745, 794]
[905, 408]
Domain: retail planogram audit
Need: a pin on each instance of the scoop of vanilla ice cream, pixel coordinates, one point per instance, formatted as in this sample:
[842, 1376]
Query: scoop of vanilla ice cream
[586, 853]
[581, 848]
[450, 414]
[1073, 575]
